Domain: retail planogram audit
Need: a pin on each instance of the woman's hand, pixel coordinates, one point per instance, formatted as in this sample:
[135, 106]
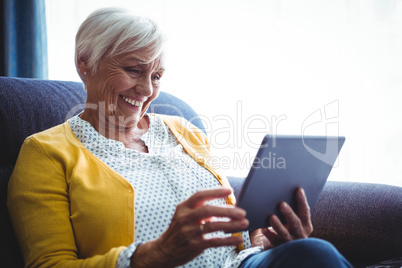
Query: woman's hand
[184, 239]
[298, 225]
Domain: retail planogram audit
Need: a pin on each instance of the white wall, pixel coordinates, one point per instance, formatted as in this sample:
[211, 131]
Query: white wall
[272, 66]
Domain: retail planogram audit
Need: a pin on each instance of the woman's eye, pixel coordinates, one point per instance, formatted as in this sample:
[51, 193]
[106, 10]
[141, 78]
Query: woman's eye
[133, 70]
[156, 78]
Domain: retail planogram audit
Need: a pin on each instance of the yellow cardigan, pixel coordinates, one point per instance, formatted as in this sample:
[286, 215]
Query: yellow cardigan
[69, 209]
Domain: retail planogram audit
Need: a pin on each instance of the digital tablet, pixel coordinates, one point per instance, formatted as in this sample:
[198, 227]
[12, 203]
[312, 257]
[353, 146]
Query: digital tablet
[281, 166]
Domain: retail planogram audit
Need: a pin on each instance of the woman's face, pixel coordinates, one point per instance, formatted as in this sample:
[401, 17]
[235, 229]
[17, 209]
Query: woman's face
[123, 87]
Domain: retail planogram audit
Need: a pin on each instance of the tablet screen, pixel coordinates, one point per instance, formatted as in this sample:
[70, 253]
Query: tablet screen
[281, 166]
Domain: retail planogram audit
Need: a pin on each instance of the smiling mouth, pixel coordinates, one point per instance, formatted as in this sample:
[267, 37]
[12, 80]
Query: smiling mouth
[132, 102]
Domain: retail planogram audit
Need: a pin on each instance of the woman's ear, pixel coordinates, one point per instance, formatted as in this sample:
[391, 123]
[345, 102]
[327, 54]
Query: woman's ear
[82, 69]
[82, 66]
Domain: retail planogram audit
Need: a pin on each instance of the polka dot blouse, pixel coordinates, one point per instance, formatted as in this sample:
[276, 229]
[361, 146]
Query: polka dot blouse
[162, 178]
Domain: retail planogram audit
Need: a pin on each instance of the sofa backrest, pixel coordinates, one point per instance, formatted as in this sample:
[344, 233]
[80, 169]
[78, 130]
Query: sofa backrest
[28, 106]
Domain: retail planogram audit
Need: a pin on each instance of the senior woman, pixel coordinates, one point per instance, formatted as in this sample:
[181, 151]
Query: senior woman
[117, 187]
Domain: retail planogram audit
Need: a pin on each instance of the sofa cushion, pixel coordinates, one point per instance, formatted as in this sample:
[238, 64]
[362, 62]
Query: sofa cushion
[363, 220]
[29, 106]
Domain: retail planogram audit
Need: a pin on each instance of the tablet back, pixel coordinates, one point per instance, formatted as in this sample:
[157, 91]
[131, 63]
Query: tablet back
[282, 164]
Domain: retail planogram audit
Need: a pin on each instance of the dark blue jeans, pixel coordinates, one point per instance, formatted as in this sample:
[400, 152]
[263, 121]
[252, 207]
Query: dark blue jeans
[299, 253]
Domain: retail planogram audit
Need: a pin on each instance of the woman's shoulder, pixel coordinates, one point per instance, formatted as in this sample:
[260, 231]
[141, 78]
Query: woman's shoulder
[59, 136]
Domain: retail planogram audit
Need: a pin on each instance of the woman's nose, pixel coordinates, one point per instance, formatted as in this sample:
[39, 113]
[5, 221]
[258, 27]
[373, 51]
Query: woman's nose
[144, 87]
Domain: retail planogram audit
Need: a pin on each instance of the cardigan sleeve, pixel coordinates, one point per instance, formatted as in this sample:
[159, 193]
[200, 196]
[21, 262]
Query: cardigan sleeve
[39, 207]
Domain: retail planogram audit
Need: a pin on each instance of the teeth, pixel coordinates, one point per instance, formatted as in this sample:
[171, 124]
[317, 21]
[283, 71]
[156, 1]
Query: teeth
[133, 102]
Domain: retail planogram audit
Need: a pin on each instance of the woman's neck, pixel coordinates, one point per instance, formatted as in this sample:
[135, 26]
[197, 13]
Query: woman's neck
[129, 134]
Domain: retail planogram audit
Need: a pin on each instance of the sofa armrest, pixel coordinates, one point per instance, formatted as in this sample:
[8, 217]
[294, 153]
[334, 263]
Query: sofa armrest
[362, 220]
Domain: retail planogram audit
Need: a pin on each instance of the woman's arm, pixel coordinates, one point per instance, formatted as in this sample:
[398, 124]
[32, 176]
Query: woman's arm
[39, 207]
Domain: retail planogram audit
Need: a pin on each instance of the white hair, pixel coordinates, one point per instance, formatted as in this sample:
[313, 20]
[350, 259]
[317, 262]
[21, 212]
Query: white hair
[109, 32]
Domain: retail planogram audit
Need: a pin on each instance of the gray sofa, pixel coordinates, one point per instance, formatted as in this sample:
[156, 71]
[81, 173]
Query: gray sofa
[364, 221]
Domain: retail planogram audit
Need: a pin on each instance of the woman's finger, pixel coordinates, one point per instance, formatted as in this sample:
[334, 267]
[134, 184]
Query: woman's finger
[222, 241]
[303, 210]
[294, 224]
[208, 211]
[200, 197]
[228, 226]
[280, 229]
[272, 236]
